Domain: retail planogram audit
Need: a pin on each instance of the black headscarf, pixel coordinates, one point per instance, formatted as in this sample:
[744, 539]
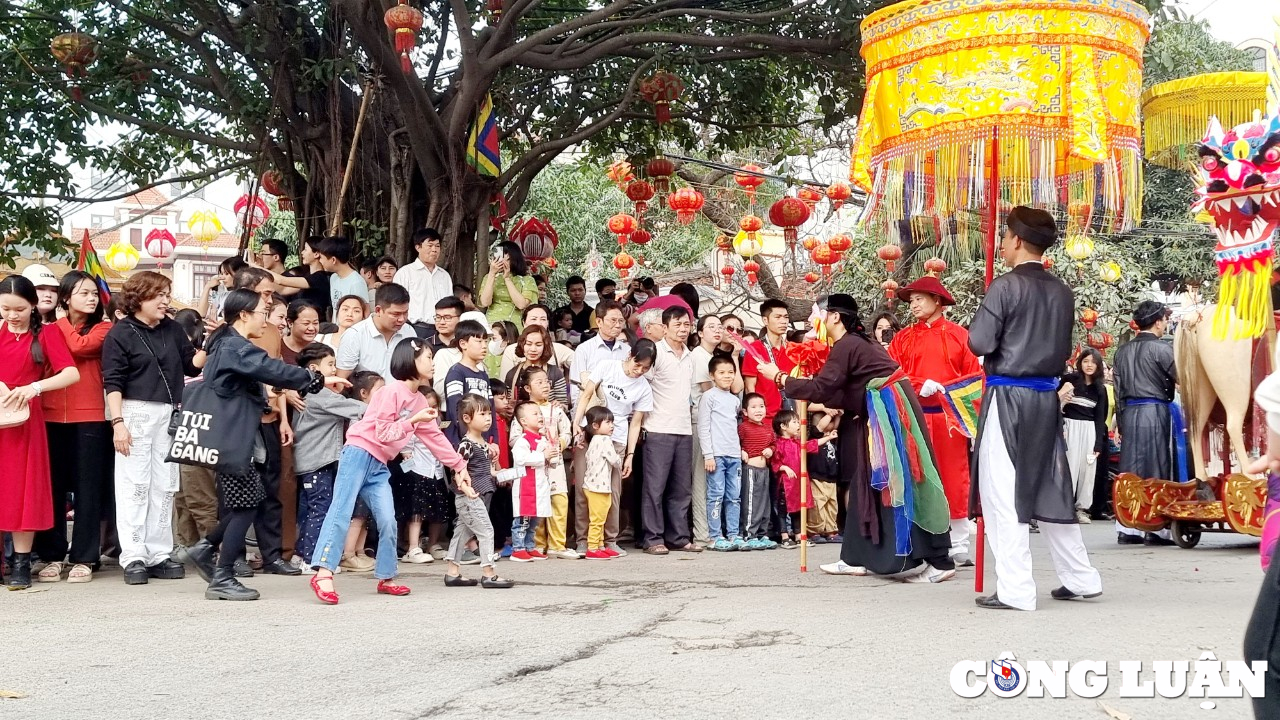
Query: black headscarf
[847, 308]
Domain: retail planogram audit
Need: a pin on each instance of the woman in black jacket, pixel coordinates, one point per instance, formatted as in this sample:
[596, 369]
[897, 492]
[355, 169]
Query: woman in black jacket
[1084, 413]
[236, 371]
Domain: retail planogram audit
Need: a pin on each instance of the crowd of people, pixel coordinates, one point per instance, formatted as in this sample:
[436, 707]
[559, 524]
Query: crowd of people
[391, 416]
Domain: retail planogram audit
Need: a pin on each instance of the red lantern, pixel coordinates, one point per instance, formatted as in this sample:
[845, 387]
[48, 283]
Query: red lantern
[724, 242]
[749, 178]
[751, 225]
[1048, 263]
[890, 289]
[1100, 341]
[640, 193]
[810, 243]
[623, 262]
[536, 237]
[273, 182]
[641, 236]
[495, 8]
[751, 266]
[620, 173]
[823, 255]
[549, 263]
[789, 213]
[159, 244]
[889, 253]
[686, 202]
[840, 242]
[751, 278]
[809, 195]
[622, 225]
[75, 51]
[727, 271]
[1088, 318]
[252, 212]
[838, 192]
[661, 89]
[935, 266]
[660, 171]
[405, 22]
[812, 277]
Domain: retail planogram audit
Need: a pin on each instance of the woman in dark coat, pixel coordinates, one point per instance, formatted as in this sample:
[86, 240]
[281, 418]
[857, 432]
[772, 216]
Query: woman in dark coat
[872, 543]
[237, 370]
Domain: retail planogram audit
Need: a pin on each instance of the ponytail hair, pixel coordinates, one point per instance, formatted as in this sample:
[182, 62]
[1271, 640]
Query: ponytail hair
[23, 288]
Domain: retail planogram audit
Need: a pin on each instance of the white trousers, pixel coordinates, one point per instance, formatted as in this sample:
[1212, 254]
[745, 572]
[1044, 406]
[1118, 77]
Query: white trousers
[1010, 540]
[1082, 436]
[145, 485]
[961, 530]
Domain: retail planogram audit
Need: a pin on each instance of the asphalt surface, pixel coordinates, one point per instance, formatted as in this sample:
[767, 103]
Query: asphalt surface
[709, 636]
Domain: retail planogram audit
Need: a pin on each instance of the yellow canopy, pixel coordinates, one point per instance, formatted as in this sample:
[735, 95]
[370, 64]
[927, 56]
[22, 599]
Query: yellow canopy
[1176, 113]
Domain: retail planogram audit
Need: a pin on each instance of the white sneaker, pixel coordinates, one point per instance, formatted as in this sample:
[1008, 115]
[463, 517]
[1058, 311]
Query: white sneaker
[566, 554]
[302, 565]
[416, 556]
[841, 568]
[1082, 516]
[614, 547]
[930, 574]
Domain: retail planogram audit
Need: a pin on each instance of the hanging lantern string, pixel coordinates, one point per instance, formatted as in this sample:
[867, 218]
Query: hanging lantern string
[783, 178]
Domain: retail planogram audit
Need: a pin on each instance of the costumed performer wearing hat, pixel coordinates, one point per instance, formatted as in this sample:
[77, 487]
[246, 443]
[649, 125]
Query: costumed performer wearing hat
[1023, 331]
[898, 517]
[934, 353]
[1152, 434]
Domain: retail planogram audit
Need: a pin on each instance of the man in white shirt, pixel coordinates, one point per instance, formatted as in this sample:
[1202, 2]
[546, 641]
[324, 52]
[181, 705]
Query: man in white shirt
[425, 281]
[667, 487]
[369, 343]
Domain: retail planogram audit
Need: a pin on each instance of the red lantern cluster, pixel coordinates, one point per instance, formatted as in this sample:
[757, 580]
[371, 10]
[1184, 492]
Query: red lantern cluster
[661, 89]
[749, 178]
[640, 192]
[686, 202]
[405, 22]
[660, 171]
[789, 213]
[536, 237]
[890, 254]
[838, 192]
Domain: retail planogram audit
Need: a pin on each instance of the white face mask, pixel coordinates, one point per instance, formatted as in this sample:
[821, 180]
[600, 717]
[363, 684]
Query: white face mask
[496, 346]
[640, 297]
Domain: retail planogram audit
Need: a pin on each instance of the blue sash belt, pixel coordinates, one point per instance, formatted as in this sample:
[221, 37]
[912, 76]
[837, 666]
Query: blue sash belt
[1039, 384]
[1179, 433]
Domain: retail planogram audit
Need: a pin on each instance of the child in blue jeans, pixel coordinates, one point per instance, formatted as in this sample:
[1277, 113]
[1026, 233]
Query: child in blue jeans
[722, 454]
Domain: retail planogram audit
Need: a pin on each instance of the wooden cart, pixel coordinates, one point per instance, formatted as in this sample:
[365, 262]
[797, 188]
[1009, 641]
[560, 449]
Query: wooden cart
[1151, 505]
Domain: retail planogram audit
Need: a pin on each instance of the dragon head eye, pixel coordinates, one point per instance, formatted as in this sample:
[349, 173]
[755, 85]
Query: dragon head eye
[1272, 155]
[1209, 162]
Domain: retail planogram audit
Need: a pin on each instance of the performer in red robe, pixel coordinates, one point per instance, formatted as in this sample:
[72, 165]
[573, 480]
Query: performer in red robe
[934, 352]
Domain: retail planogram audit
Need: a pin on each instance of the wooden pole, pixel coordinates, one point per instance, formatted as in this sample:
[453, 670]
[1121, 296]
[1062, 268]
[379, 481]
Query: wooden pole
[993, 219]
[802, 409]
[335, 227]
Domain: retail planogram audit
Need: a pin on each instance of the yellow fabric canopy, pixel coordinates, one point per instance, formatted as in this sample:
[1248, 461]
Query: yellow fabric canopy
[1176, 113]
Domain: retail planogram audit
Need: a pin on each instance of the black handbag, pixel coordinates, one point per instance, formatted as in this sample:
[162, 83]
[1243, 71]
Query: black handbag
[215, 432]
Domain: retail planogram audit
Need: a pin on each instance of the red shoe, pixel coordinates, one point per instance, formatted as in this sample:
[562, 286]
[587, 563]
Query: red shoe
[389, 587]
[328, 597]
[521, 556]
[537, 554]
[599, 555]
[610, 552]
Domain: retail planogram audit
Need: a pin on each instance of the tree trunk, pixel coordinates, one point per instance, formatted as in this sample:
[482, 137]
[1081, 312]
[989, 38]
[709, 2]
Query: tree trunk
[402, 227]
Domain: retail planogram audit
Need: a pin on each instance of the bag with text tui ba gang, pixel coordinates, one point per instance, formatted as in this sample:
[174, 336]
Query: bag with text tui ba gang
[215, 432]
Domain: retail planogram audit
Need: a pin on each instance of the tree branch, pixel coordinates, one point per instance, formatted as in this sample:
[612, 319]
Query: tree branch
[106, 198]
[162, 129]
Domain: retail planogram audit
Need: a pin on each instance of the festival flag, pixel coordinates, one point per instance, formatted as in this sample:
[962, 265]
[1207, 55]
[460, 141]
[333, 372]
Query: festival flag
[482, 147]
[88, 262]
[964, 404]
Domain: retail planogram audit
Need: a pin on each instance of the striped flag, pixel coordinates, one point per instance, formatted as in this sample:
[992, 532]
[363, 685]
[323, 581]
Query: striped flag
[482, 147]
[963, 404]
[89, 262]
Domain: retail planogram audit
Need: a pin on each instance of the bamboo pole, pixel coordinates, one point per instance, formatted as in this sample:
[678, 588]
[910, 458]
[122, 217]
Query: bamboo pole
[802, 409]
[335, 227]
[993, 202]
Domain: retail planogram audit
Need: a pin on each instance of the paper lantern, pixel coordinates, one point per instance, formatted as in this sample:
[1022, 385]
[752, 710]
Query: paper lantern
[122, 256]
[660, 171]
[204, 226]
[789, 213]
[751, 266]
[686, 202]
[935, 266]
[838, 192]
[1110, 272]
[1088, 318]
[159, 244]
[751, 278]
[622, 225]
[810, 243]
[812, 277]
[1174, 113]
[727, 271]
[751, 225]
[623, 262]
[661, 89]
[404, 21]
[640, 193]
[747, 246]
[640, 236]
[273, 183]
[252, 212]
[809, 195]
[724, 242]
[824, 256]
[620, 173]
[75, 50]
[748, 178]
[1100, 341]
[1079, 247]
[840, 242]
[1047, 262]
[536, 237]
[889, 254]
[890, 289]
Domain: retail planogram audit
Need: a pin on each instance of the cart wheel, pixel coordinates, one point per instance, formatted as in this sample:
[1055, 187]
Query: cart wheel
[1186, 535]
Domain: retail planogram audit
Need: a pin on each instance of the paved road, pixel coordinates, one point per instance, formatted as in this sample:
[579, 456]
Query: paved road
[711, 636]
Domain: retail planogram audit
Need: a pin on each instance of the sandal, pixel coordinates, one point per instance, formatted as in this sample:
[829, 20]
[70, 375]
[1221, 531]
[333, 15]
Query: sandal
[495, 582]
[80, 573]
[459, 581]
[51, 573]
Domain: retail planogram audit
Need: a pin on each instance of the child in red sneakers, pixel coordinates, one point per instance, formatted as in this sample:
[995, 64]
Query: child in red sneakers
[602, 462]
[531, 490]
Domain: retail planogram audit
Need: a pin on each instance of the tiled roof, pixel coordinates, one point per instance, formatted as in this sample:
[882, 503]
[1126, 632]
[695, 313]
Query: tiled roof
[224, 240]
[150, 197]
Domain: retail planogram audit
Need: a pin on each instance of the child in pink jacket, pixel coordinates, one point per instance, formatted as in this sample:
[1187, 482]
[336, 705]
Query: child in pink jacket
[397, 414]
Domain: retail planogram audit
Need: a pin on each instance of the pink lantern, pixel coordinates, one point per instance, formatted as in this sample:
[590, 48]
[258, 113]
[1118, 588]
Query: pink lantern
[252, 212]
[536, 237]
[159, 244]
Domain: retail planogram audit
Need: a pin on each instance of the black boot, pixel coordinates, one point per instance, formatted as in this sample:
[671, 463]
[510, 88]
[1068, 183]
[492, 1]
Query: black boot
[20, 574]
[225, 586]
[200, 556]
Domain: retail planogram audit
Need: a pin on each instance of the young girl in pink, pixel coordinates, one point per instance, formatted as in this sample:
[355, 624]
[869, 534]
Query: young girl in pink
[786, 465]
[397, 414]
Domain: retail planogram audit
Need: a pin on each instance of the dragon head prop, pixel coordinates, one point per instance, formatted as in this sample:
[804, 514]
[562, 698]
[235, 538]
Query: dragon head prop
[1240, 170]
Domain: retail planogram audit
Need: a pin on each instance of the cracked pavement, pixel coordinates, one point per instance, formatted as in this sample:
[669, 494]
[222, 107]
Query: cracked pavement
[708, 636]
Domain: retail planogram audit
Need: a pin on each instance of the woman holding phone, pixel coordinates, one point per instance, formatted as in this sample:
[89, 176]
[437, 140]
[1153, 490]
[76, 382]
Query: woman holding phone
[508, 288]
